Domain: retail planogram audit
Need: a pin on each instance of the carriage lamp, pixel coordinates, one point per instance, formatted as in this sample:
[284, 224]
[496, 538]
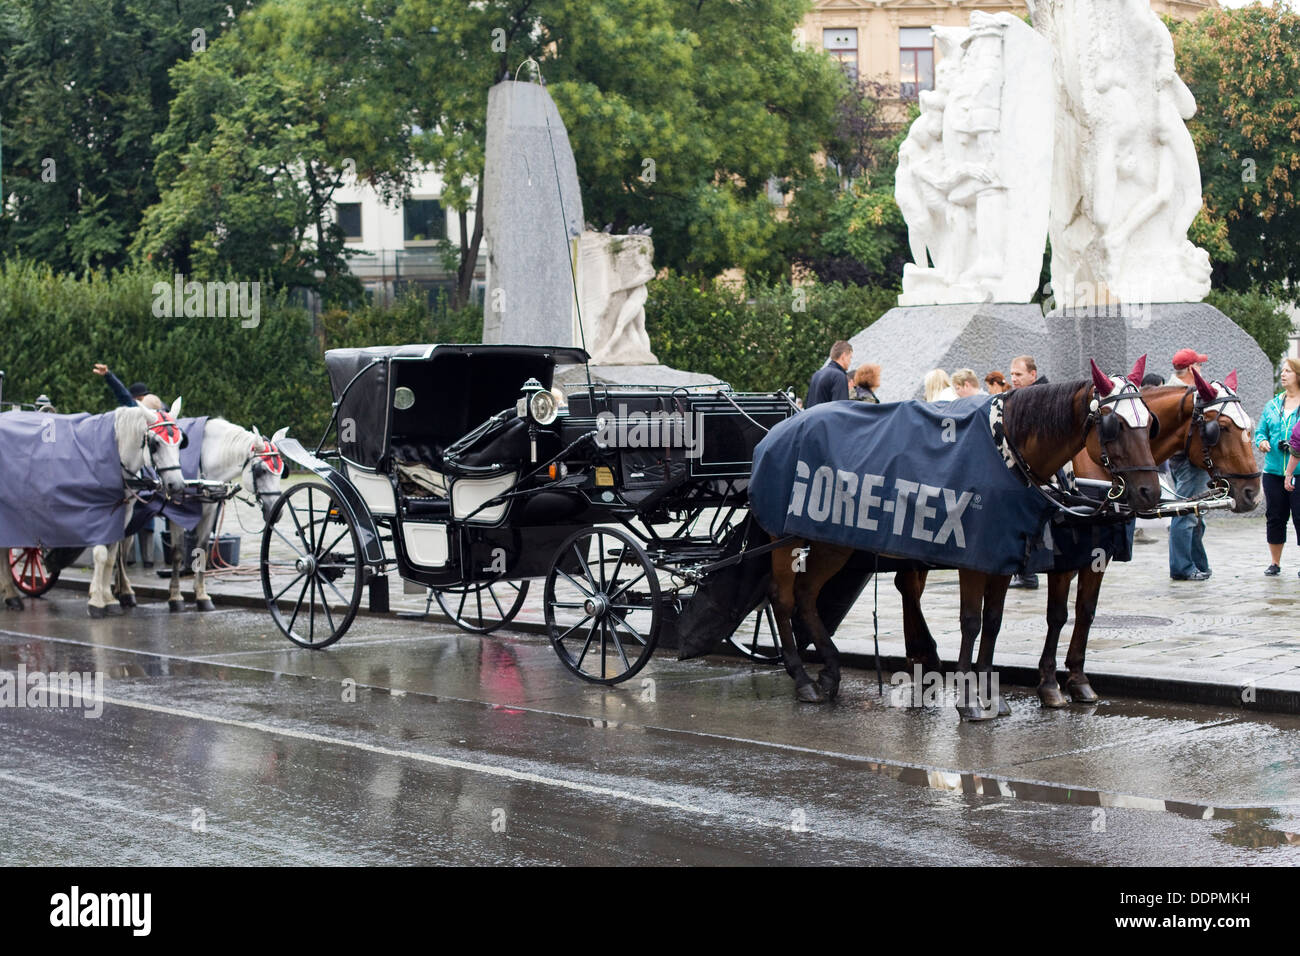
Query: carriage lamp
[538, 403]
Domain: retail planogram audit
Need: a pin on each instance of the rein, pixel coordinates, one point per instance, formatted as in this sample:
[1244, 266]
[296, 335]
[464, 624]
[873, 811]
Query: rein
[1070, 502]
[1218, 479]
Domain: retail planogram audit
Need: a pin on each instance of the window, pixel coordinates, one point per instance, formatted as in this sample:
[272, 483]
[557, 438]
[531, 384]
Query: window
[349, 219]
[423, 220]
[916, 61]
[842, 45]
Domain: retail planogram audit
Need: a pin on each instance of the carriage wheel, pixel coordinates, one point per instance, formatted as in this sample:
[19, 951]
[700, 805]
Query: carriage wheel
[483, 607]
[310, 573]
[603, 620]
[31, 571]
[757, 638]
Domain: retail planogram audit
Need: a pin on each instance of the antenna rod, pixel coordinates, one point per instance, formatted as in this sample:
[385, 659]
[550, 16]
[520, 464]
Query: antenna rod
[568, 246]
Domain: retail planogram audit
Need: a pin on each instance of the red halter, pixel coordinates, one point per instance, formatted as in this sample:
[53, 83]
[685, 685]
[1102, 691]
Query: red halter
[166, 429]
[270, 456]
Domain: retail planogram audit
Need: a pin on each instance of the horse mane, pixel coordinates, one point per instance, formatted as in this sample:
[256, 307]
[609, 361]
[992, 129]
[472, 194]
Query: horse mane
[232, 448]
[1045, 410]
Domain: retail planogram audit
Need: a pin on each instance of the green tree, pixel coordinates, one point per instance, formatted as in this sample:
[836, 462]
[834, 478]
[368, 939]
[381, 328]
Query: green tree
[264, 129]
[1243, 66]
[83, 88]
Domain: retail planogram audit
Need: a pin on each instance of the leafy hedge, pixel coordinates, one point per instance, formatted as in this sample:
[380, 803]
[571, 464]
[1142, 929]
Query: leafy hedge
[1259, 313]
[54, 328]
[758, 338]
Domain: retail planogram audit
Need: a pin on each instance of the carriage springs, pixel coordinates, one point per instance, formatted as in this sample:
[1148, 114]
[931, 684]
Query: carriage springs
[844, 498]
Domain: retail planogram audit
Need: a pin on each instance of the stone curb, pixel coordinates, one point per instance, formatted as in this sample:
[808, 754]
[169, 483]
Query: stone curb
[1267, 700]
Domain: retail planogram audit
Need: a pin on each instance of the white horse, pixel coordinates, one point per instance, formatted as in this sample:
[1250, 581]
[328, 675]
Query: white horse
[228, 452]
[145, 438]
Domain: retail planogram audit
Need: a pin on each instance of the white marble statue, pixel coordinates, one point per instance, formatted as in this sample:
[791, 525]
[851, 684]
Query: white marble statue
[974, 173]
[1126, 184]
[612, 276]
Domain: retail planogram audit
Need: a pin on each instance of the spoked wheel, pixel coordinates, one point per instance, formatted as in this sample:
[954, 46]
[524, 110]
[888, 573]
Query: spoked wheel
[31, 570]
[311, 577]
[483, 607]
[603, 618]
[757, 637]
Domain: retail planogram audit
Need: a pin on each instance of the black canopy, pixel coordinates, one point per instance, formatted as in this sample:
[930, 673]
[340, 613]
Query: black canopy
[456, 387]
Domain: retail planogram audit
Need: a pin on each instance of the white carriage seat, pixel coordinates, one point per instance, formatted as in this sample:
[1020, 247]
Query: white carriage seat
[423, 477]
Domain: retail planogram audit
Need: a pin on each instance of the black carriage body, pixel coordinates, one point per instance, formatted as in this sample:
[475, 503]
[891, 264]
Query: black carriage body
[441, 454]
[480, 516]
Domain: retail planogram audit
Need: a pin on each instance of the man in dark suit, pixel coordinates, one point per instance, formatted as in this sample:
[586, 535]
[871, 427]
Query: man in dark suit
[830, 383]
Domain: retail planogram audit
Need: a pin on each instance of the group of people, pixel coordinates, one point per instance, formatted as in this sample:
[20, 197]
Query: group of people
[1277, 435]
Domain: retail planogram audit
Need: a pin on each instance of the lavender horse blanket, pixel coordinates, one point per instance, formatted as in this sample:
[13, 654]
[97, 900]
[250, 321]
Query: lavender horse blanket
[60, 481]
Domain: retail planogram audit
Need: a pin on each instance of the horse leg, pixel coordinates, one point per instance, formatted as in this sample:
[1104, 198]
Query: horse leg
[1058, 609]
[105, 558]
[202, 537]
[972, 584]
[823, 562]
[176, 558]
[919, 642]
[8, 589]
[995, 597]
[781, 594]
[1085, 608]
[121, 583]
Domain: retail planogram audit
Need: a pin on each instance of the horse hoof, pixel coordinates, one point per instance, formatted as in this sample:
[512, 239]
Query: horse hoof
[974, 714]
[810, 693]
[14, 603]
[830, 686]
[175, 607]
[1081, 692]
[96, 612]
[126, 600]
[205, 605]
[1004, 709]
[1051, 696]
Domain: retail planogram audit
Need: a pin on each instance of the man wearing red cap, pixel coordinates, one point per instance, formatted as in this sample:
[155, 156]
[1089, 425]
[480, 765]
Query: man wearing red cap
[1187, 560]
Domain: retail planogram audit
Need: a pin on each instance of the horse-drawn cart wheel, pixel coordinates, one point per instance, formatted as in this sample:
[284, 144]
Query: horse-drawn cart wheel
[31, 571]
[603, 619]
[310, 573]
[483, 607]
[757, 637]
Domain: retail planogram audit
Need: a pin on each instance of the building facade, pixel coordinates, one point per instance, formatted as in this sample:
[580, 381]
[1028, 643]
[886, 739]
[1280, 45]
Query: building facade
[406, 246]
[889, 41]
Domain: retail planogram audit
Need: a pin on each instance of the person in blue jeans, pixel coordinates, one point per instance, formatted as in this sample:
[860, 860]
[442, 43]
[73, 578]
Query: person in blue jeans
[1187, 560]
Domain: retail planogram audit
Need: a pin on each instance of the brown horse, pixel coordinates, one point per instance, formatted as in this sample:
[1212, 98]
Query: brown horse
[1212, 440]
[1047, 425]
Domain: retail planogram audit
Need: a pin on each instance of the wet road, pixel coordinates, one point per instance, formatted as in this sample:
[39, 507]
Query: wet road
[409, 742]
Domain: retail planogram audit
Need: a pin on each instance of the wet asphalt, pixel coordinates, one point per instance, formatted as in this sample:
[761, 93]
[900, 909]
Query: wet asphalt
[409, 742]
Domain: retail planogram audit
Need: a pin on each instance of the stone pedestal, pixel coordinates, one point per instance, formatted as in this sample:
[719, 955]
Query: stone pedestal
[908, 341]
[656, 375]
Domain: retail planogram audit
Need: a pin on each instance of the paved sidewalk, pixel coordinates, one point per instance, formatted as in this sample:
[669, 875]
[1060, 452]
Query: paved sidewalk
[1211, 641]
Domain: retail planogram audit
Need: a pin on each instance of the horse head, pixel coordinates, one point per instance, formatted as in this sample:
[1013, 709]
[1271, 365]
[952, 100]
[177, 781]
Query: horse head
[149, 438]
[1121, 440]
[1219, 440]
[262, 472]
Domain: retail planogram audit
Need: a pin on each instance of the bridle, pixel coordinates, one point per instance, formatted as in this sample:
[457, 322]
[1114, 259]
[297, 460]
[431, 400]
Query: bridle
[1211, 431]
[1108, 431]
[270, 458]
[168, 431]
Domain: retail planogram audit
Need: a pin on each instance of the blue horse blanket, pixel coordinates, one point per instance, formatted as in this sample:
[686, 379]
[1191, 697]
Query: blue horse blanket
[907, 479]
[60, 481]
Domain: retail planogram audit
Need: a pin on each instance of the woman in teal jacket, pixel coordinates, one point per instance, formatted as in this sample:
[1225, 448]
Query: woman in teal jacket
[1271, 436]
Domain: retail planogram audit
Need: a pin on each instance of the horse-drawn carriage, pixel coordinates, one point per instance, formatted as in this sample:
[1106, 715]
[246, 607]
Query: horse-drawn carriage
[458, 467]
